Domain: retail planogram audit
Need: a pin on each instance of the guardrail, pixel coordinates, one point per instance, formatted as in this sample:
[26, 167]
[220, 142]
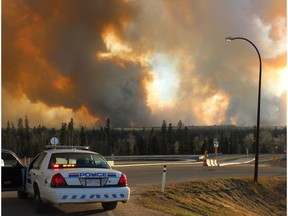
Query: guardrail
[152, 157]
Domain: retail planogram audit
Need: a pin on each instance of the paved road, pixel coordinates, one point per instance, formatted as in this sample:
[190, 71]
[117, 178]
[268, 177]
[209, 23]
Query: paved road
[140, 179]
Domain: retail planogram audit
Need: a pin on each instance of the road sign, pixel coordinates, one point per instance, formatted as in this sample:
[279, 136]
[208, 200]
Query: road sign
[54, 141]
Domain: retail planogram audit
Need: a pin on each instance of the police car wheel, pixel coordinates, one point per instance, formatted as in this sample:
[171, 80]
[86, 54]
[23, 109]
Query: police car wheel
[38, 204]
[109, 205]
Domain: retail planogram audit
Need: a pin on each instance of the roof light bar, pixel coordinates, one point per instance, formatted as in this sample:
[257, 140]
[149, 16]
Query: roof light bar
[66, 147]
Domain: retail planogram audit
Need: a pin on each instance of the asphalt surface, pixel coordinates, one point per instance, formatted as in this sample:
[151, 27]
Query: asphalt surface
[144, 177]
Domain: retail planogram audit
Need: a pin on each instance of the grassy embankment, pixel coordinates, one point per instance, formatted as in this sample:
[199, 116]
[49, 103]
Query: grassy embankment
[233, 196]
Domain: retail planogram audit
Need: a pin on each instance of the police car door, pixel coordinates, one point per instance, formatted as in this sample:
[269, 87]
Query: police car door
[34, 172]
[12, 170]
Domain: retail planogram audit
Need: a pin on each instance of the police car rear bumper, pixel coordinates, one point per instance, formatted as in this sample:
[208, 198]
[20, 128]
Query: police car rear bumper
[87, 195]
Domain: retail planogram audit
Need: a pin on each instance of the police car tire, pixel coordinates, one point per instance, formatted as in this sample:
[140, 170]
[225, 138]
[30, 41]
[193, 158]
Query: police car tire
[109, 205]
[38, 204]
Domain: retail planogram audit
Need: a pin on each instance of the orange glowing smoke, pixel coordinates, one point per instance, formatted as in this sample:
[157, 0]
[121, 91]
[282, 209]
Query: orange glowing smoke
[120, 53]
[139, 62]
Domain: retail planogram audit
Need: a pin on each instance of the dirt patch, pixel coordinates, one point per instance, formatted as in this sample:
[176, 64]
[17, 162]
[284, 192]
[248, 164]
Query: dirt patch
[234, 196]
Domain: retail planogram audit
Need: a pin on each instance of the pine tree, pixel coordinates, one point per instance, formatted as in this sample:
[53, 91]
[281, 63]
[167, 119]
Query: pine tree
[63, 134]
[164, 137]
[27, 138]
[8, 138]
[180, 136]
[83, 137]
[71, 132]
[170, 140]
[21, 138]
[107, 131]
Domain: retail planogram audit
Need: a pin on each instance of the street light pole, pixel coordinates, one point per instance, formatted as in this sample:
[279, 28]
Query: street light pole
[258, 109]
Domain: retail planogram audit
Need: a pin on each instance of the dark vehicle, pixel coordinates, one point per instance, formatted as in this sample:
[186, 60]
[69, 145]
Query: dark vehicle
[13, 173]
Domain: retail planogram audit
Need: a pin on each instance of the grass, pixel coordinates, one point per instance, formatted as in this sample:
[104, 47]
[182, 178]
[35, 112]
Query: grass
[233, 196]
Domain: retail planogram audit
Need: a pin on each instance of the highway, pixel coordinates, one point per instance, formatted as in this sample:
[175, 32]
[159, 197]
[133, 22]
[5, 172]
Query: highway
[140, 179]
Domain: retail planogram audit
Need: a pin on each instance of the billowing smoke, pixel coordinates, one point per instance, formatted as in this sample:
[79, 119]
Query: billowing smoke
[140, 62]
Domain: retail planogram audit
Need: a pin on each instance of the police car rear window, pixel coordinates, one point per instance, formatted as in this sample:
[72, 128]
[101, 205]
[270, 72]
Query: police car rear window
[77, 160]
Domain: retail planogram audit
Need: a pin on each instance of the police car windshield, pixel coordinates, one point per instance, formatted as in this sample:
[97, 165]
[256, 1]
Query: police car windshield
[77, 160]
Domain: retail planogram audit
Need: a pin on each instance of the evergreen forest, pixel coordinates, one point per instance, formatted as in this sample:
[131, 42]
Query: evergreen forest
[167, 139]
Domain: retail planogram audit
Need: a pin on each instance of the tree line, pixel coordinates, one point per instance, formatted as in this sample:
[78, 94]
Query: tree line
[166, 139]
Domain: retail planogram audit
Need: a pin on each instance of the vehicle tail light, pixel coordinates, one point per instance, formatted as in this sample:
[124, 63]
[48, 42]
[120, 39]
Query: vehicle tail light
[55, 166]
[122, 180]
[58, 181]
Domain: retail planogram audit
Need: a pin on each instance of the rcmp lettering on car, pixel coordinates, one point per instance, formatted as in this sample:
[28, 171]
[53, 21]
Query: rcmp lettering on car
[89, 174]
[73, 175]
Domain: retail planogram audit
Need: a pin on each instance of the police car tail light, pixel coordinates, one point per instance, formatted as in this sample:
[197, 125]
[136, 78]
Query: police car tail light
[55, 166]
[58, 181]
[122, 180]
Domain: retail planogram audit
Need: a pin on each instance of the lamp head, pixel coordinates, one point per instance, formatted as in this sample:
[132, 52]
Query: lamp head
[229, 39]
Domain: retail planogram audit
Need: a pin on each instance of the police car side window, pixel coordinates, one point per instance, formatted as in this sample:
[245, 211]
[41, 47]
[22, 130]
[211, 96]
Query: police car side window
[37, 163]
[8, 160]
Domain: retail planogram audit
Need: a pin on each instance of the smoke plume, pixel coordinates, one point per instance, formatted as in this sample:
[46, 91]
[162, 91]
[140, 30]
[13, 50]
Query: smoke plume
[140, 62]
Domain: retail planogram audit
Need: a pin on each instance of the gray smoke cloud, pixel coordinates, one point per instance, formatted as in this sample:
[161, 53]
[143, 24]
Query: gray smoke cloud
[51, 49]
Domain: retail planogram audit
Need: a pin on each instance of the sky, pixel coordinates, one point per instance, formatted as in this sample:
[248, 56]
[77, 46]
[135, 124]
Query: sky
[139, 62]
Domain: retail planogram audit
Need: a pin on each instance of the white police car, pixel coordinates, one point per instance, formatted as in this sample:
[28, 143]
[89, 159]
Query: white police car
[59, 176]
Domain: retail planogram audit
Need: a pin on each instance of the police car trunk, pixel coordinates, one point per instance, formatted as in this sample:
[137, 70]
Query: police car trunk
[83, 177]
